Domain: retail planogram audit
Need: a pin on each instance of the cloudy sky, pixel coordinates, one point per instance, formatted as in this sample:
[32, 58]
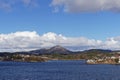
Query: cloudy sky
[77, 24]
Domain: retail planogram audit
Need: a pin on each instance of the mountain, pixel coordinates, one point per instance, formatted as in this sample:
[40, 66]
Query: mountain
[61, 50]
[53, 50]
[97, 51]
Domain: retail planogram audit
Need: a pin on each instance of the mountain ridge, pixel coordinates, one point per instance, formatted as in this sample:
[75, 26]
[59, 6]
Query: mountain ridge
[62, 50]
[55, 49]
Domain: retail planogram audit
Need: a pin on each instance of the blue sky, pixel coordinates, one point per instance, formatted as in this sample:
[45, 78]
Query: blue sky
[53, 16]
[42, 19]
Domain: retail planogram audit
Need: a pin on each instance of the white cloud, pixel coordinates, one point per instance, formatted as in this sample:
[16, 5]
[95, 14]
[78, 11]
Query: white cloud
[67, 5]
[9, 4]
[30, 2]
[5, 6]
[87, 5]
[26, 40]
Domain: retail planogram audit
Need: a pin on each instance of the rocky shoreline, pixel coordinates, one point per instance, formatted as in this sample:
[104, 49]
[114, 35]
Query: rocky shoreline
[109, 60]
[24, 58]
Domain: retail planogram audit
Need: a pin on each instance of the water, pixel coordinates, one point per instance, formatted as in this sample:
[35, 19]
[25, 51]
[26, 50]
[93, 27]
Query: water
[58, 70]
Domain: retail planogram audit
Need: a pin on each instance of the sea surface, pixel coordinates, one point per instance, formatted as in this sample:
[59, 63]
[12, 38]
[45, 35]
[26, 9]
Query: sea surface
[58, 70]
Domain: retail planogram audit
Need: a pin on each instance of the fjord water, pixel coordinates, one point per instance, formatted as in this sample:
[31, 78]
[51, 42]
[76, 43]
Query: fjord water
[58, 70]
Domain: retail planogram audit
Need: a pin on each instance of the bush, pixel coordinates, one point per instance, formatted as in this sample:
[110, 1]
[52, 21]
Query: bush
[34, 59]
[116, 60]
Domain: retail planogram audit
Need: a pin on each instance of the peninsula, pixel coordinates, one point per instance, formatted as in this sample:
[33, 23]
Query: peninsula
[92, 56]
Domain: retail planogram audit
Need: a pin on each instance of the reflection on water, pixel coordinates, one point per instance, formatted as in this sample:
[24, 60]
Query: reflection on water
[58, 70]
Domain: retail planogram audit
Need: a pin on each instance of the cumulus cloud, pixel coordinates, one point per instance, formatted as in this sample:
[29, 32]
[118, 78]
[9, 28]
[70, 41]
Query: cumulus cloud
[9, 4]
[30, 2]
[5, 6]
[87, 5]
[26, 40]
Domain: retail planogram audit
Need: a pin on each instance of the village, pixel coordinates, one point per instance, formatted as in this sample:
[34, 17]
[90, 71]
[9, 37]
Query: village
[104, 60]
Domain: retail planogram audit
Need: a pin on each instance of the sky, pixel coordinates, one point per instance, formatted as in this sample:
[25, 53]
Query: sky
[77, 24]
